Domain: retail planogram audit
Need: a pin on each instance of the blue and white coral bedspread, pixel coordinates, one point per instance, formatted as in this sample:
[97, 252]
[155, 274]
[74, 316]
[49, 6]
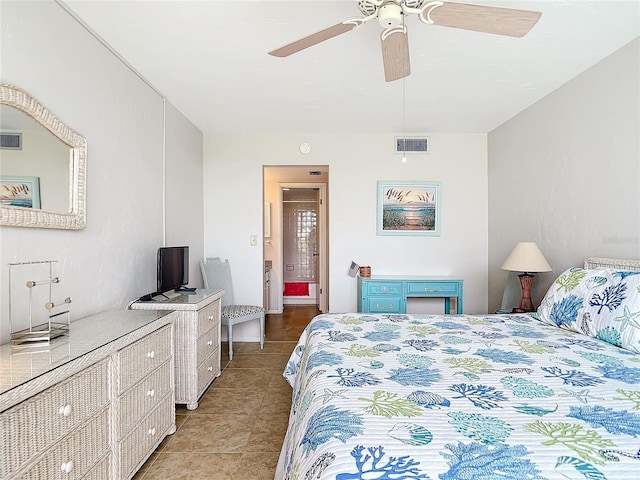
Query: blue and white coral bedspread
[459, 397]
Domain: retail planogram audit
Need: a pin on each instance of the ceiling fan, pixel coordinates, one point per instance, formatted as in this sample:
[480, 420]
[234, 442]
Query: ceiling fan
[395, 43]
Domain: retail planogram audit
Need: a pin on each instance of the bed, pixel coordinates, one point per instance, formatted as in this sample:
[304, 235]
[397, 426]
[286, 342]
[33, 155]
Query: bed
[547, 395]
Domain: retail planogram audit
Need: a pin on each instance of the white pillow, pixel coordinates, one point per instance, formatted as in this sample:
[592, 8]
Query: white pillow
[600, 303]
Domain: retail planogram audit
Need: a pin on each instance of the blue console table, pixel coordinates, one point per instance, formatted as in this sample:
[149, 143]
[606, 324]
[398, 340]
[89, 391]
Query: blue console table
[388, 294]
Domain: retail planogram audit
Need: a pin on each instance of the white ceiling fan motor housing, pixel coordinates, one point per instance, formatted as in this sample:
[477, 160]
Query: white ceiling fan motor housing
[390, 15]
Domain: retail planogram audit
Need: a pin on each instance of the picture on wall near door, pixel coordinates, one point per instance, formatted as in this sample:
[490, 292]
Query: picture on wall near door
[408, 208]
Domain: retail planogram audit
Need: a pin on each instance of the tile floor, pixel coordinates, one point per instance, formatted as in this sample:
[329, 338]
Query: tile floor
[238, 428]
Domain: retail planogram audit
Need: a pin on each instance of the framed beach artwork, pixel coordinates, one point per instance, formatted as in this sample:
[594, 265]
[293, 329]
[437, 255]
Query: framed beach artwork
[408, 208]
[19, 191]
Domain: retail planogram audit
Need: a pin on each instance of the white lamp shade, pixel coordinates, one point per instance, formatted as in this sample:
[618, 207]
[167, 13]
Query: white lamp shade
[526, 257]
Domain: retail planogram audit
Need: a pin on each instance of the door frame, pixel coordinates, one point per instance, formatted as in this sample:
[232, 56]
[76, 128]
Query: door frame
[323, 294]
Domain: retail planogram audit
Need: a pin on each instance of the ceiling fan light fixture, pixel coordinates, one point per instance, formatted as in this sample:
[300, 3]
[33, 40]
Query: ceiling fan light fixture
[390, 15]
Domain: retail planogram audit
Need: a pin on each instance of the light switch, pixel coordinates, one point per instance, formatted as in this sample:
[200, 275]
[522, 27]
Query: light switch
[253, 239]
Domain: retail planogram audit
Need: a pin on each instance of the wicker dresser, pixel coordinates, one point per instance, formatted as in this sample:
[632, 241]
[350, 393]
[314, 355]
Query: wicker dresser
[197, 341]
[93, 404]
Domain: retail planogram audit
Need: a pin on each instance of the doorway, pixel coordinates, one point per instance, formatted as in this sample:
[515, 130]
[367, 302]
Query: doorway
[297, 243]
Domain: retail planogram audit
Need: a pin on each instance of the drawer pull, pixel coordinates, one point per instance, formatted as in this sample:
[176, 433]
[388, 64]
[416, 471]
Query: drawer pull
[66, 410]
[210, 318]
[152, 431]
[210, 342]
[385, 290]
[151, 393]
[151, 354]
[428, 290]
[209, 369]
[381, 307]
[67, 467]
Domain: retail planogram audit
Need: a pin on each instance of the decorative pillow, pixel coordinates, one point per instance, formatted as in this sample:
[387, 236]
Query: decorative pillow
[601, 303]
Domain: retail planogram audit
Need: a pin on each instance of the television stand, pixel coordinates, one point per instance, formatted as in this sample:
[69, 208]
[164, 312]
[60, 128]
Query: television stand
[196, 337]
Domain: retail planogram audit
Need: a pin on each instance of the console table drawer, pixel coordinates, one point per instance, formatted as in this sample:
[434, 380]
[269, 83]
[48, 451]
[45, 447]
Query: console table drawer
[207, 344]
[432, 288]
[208, 370]
[384, 304]
[208, 317]
[384, 288]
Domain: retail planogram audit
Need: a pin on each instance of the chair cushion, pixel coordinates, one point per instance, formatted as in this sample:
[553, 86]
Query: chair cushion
[235, 311]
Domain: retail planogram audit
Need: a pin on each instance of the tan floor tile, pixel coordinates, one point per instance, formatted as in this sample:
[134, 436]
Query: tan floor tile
[276, 400]
[231, 401]
[277, 381]
[218, 433]
[268, 433]
[272, 361]
[269, 347]
[249, 378]
[195, 466]
[257, 466]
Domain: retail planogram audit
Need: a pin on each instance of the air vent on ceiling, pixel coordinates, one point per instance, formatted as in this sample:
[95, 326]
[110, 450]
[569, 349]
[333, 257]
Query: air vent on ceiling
[11, 141]
[412, 145]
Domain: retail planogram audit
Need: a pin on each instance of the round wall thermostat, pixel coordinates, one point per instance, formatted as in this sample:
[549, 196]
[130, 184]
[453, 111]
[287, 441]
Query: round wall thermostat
[305, 148]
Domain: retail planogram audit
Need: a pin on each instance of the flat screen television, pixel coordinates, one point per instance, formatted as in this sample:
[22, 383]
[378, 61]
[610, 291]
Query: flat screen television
[173, 268]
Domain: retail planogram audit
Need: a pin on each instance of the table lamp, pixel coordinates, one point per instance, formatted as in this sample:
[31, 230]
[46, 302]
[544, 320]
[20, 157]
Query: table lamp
[526, 257]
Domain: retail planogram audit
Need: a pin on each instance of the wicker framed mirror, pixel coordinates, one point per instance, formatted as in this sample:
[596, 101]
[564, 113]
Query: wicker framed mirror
[69, 212]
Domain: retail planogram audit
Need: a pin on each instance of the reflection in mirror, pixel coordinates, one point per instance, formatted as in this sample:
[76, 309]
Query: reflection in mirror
[42, 167]
[33, 152]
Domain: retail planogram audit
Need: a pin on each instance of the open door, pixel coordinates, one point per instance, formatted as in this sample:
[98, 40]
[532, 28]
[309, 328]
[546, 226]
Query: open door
[303, 247]
[289, 176]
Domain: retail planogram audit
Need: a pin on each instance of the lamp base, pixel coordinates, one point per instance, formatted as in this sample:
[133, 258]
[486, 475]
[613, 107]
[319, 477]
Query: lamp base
[526, 282]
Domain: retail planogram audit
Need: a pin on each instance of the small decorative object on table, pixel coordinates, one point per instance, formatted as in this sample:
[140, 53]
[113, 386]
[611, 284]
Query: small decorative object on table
[365, 272]
[56, 322]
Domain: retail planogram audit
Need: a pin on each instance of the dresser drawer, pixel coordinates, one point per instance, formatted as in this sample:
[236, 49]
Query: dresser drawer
[438, 289]
[32, 426]
[144, 397]
[101, 470]
[208, 370]
[76, 454]
[207, 344]
[383, 288]
[143, 356]
[208, 317]
[138, 444]
[383, 304]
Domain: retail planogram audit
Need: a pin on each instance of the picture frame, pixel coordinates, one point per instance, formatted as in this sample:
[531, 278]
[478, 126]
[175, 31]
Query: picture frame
[18, 191]
[409, 208]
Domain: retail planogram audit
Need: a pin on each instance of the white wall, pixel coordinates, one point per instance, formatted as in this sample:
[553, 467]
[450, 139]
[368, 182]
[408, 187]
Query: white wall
[113, 260]
[233, 209]
[565, 172]
[184, 190]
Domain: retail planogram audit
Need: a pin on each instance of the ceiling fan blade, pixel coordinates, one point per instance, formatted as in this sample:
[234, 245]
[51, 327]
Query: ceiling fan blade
[395, 53]
[481, 18]
[317, 37]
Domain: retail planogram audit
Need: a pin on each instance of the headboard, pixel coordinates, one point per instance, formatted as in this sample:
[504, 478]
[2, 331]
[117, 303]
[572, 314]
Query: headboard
[617, 263]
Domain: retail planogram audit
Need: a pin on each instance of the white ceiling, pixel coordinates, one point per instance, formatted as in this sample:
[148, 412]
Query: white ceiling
[209, 59]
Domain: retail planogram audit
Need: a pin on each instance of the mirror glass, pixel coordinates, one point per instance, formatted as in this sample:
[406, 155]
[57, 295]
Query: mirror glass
[39, 154]
[42, 165]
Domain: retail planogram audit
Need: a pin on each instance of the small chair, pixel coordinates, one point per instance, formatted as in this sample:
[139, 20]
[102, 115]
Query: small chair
[217, 275]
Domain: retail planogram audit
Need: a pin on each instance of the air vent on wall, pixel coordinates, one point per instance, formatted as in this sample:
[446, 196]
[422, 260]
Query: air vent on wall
[412, 145]
[11, 141]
